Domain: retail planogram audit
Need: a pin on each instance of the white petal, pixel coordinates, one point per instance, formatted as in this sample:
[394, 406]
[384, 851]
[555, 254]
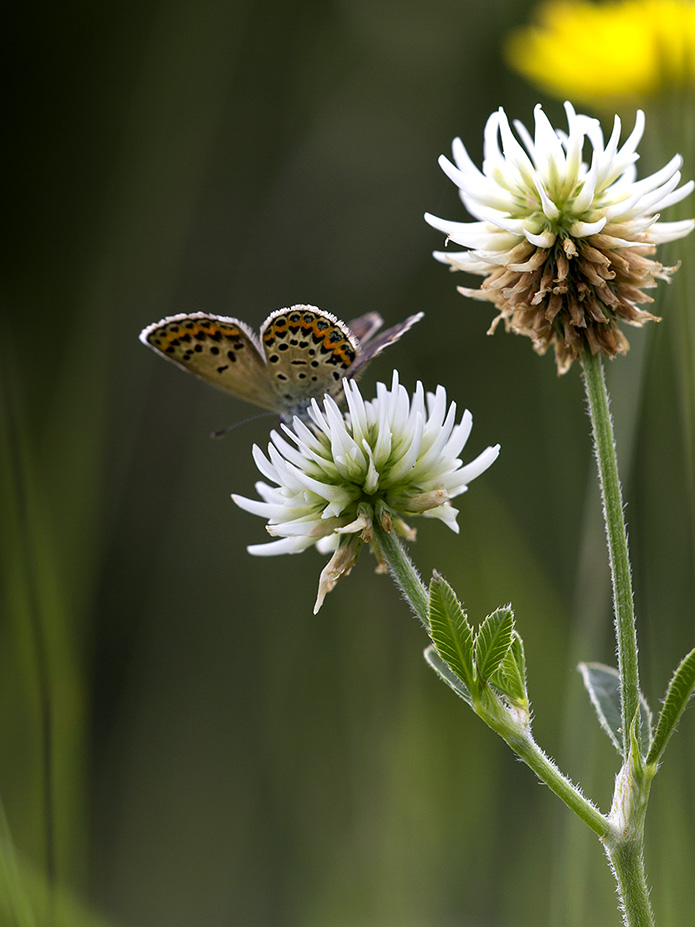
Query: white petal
[463, 161]
[264, 464]
[586, 195]
[582, 229]
[473, 234]
[512, 150]
[550, 210]
[447, 514]
[675, 197]
[255, 507]
[545, 239]
[460, 435]
[484, 460]
[670, 231]
[629, 150]
[478, 188]
[283, 546]
[656, 179]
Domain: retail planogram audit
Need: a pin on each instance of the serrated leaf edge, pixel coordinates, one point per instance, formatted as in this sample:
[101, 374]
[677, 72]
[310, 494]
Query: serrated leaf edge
[455, 644]
[665, 728]
[488, 662]
[510, 678]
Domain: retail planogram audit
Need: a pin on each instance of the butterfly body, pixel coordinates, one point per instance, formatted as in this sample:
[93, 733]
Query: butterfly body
[303, 353]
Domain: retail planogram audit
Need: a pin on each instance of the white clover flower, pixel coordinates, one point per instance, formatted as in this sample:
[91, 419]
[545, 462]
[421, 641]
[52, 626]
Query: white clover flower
[379, 462]
[562, 243]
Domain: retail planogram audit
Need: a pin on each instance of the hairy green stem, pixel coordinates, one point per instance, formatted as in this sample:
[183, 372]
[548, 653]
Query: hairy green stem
[622, 831]
[402, 570]
[624, 844]
[627, 861]
[604, 447]
[514, 732]
[526, 748]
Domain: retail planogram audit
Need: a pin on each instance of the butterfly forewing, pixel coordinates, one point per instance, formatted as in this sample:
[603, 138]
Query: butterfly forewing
[382, 341]
[365, 326]
[219, 350]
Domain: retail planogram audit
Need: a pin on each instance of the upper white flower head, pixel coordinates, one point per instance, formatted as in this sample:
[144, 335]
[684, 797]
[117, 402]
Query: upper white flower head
[562, 241]
[380, 461]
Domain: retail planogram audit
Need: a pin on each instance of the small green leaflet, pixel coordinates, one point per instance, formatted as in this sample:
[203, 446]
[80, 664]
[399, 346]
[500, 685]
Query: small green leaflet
[679, 691]
[510, 678]
[492, 642]
[447, 675]
[450, 631]
[603, 685]
[468, 662]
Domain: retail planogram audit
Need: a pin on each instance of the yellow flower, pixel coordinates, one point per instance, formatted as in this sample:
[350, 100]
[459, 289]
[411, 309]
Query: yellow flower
[604, 52]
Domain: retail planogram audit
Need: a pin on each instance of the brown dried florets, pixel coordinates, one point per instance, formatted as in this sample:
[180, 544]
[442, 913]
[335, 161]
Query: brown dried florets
[565, 244]
[572, 296]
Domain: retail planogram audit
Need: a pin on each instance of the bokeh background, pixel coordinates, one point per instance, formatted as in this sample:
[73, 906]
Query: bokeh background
[218, 755]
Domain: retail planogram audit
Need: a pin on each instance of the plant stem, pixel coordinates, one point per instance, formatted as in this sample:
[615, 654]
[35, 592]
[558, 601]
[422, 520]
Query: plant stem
[516, 734]
[604, 447]
[627, 861]
[624, 844]
[530, 753]
[402, 570]
[622, 832]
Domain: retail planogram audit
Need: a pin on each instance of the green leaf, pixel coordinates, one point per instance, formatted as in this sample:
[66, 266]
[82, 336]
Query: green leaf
[679, 691]
[636, 753]
[493, 640]
[450, 631]
[519, 654]
[603, 685]
[510, 678]
[447, 675]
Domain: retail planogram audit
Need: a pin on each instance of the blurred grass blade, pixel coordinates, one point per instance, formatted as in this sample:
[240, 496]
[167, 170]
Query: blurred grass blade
[13, 897]
[679, 691]
[27, 891]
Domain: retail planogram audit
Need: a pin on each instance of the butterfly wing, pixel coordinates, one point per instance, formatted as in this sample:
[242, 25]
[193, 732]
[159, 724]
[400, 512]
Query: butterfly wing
[308, 352]
[382, 341]
[304, 353]
[365, 326]
[217, 349]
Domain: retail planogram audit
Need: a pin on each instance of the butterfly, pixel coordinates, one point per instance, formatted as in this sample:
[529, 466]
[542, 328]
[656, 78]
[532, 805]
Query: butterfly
[303, 353]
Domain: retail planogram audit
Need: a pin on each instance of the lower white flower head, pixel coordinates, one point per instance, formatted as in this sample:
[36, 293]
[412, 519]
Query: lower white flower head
[563, 244]
[381, 461]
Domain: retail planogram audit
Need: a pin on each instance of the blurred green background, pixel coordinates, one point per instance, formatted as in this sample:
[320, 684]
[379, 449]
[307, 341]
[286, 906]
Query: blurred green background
[218, 755]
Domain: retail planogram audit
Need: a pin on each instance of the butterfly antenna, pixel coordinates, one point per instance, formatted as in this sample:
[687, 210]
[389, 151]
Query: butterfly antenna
[243, 421]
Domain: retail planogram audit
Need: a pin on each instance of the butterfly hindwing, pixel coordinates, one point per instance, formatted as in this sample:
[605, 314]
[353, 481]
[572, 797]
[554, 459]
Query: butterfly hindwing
[308, 352]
